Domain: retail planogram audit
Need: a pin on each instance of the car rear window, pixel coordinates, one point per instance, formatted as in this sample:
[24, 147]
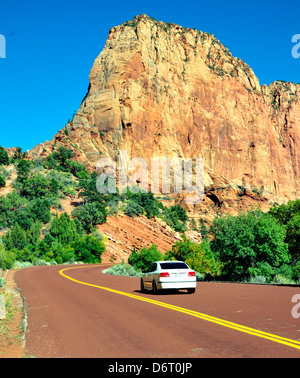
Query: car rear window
[173, 265]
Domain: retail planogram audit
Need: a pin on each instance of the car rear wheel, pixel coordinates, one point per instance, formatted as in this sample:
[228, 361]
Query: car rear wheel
[154, 287]
[142, 285]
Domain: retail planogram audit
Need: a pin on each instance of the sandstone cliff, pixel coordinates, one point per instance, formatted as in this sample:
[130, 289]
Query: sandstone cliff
[158, 89]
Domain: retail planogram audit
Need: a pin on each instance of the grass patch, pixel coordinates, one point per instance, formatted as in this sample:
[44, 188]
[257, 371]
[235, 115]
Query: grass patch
[123, 270]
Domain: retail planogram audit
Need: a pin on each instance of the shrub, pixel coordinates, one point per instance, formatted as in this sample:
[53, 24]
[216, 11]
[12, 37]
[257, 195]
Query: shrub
[35, 187]
[2, 182]
[7, 258]
[40, 210]
[59, 159]
[122, 270]
[88, 249]
[144, 200]
[15, 238]
[289, 215]
[198, 256]
[296, 271]
[133, 209]
[90, 215]
[249, 245]
[257, 279]
[63, 229]
[175, 217]
[142, 260]
[23, 170]
[4, 158]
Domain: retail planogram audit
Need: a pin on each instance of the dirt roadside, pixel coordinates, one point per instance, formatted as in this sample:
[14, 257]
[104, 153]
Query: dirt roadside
[12, 333]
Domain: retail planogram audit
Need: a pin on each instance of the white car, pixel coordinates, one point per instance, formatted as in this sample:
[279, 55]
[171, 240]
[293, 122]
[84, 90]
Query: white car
[169, 275]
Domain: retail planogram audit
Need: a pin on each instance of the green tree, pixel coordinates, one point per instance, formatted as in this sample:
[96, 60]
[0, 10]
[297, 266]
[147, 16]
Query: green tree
[2, 182]
[133, 209]
[89, 249]
[10, 206]
[15, 238]
[64, 229]
[249, 244]
[203, 229]
[90, 215]
[23, 170]
[18, 155]
[34, 187]
[60, 253]
[40, 210]
[198, 256]
[142, 260]
[4, 158]
[289, 215]
[145, 200]
[88, 190]
[193, 224]
[59, 159]
[7, 258]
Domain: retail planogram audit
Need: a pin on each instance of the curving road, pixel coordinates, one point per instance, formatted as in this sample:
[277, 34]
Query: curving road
[76, 311]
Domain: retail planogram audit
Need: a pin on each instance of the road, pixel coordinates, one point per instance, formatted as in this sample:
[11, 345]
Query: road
[77, 311]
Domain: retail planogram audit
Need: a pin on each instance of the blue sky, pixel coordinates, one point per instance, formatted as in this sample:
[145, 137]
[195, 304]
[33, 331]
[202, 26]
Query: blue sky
[51, 46]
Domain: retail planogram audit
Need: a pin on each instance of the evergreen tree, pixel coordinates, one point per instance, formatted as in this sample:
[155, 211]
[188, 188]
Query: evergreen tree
[4, 158]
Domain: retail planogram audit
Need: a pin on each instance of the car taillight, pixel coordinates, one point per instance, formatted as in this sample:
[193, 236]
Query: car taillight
[164, 274]
[191, 274]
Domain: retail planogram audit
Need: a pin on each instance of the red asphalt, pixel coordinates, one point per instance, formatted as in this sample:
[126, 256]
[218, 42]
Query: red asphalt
[69, 319]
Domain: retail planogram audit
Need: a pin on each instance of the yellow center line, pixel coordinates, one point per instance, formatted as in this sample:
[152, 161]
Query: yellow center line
[278, 339]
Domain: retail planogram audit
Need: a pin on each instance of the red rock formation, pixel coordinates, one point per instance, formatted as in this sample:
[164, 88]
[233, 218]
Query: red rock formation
[159, 89]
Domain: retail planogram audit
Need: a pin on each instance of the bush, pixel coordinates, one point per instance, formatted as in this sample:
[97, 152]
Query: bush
[249, 245]
[257, 279]
[198, 256]
[144, 200]
[40, 210]
[133, 209]
[289, 215]
[122, 270]
[23, 170]
[296, 271]
[10, 206]
[64, 229]
[90, 215]
[59, 159]
[4, 158]
[15, 238]
[88, 249]
[142, 260]
[175, 217]
[7, 258]
[35, 187]
[2, 182]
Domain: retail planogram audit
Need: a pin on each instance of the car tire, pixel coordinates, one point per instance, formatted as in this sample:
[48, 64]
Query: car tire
[191, 290]
[154, 288]
[142, 286]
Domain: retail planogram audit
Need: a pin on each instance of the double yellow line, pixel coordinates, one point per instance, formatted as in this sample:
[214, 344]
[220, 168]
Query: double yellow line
[265, 335]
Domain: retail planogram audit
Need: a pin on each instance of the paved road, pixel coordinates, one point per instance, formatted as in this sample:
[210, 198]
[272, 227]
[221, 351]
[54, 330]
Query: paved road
[79, 317]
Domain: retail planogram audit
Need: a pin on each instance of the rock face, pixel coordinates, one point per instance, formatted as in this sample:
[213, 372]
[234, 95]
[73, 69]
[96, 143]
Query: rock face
[158, 89]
